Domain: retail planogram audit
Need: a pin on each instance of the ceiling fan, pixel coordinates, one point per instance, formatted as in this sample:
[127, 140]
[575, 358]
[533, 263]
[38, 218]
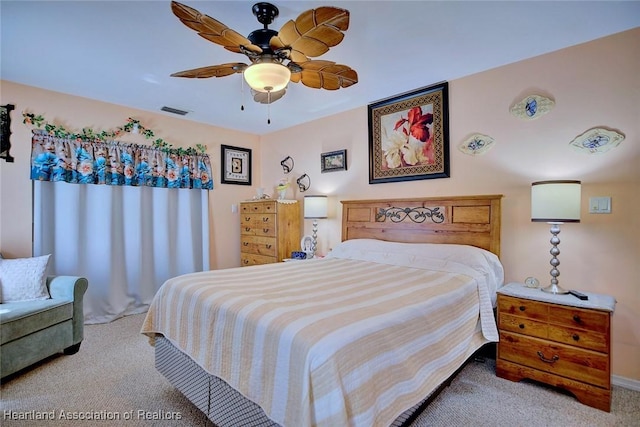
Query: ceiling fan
[276, 57]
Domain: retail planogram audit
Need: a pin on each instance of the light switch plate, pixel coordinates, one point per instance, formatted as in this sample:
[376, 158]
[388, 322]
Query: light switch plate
[600, 205]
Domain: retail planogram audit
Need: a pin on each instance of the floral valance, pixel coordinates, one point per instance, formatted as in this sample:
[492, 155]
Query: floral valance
[86, 161]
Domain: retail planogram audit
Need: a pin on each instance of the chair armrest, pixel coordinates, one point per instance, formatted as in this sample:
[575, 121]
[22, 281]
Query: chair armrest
[71, 288]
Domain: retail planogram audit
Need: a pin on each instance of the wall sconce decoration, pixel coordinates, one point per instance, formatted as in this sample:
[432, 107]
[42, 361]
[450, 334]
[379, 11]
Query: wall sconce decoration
[304, 182]
[476, 144]
[532, 107]
[5, 124]
[287, 164]
[597, 140]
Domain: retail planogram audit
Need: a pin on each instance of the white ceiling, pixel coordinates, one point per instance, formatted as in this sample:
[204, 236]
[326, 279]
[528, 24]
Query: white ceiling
[123, 52]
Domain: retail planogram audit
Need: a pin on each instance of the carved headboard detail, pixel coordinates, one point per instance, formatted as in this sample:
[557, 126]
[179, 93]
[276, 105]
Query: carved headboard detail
[464, 220]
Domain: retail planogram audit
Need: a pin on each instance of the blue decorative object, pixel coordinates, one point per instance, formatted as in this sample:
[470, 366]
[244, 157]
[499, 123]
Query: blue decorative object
[476, 144]
[597, 140]
[298, 255]
[532, 107]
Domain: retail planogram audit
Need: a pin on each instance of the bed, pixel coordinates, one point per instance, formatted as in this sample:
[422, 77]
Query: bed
[361, 337]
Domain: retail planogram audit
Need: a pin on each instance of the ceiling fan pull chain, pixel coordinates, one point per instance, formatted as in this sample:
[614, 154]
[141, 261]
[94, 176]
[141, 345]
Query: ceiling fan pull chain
[242, 92]
[269, 107]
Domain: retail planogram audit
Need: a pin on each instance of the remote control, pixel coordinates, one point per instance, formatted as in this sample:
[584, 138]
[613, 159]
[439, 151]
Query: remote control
[579, 295]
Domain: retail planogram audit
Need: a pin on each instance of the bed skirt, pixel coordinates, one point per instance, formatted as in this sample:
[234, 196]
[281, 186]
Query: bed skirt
[221, 403]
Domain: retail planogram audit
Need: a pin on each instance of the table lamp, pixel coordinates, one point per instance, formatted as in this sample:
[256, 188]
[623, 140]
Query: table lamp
[555, 202]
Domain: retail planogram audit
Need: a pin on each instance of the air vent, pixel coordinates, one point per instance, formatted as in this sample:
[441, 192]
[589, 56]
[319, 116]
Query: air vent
[174, 110]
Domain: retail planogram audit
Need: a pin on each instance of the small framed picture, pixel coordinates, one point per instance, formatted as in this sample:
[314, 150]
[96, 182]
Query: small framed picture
[236, 165]
[334, 161]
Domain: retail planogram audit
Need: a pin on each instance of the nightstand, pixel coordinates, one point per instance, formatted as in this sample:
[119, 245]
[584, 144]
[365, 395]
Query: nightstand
[559, 340]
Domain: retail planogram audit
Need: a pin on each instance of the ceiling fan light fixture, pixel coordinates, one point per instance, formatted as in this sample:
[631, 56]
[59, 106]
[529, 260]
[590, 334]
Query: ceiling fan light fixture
[267, 76]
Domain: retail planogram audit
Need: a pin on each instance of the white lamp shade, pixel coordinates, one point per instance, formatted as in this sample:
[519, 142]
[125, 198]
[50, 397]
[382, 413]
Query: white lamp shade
[267, 76]
[555, 201]
[315, 207]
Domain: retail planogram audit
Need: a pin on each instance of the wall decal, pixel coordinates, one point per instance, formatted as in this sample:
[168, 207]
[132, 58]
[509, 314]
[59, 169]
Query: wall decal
[532, 107]
[597, 140]
[476, 144]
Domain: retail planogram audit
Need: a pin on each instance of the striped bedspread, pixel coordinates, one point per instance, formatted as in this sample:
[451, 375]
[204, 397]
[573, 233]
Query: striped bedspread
[328, 342]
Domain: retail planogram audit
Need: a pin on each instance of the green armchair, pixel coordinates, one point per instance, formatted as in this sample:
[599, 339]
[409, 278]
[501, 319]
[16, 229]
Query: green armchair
[31, 331]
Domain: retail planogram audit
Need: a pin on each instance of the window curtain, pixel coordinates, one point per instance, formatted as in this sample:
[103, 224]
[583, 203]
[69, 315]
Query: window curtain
[127, 237]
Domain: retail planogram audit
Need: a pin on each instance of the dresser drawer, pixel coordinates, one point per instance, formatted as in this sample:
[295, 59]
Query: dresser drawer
[555, 358]
[258, 207]
[247, 259]
[264, 224]
[258, 245]
[522, 307]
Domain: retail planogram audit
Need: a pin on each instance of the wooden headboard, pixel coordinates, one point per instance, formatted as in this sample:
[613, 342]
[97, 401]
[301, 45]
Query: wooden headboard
[463, 220]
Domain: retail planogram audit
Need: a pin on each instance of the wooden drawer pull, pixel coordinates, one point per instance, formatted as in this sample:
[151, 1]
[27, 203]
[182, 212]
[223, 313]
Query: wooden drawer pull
[542, 357]
[265, 230]
[245, 243]
[265, 219]
[269, 247]
[523, 308]
[577, 318]
[247, 229]
[521, 326]
[576, 337]
[247, 218]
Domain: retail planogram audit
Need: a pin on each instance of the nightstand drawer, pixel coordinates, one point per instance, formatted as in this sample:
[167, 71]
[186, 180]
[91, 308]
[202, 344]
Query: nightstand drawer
[522, 325]
[591, 320]
[522, 307]
[558, 359]
[580, 338]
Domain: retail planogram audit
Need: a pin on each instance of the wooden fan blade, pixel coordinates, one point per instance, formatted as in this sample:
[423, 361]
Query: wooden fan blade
[313, 32]
[262, 97]
[221, 70]
[325, 75]
[212, 29]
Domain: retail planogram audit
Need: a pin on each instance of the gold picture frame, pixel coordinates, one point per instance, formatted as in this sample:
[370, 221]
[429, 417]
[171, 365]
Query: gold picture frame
[409, 136]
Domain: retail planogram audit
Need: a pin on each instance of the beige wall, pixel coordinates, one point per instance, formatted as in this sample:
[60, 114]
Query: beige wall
[74, 113]
[594, 84]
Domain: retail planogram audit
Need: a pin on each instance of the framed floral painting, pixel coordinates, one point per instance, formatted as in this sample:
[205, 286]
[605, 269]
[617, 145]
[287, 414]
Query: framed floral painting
[236, 165]
[409, 136]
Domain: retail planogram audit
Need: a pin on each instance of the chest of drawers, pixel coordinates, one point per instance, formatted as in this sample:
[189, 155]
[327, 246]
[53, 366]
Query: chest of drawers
[269, 231]
[558, 340]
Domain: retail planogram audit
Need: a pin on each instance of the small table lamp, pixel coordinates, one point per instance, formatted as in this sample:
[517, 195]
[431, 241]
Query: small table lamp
[555, 202]
[315, 207]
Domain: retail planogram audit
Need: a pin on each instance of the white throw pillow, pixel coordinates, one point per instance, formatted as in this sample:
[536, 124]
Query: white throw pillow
[24, 279]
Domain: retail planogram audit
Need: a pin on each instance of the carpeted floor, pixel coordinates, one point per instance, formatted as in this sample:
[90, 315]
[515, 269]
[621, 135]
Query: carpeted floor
[113, 377]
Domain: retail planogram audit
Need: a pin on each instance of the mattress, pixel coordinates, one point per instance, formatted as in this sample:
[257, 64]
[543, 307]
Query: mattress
[356, 338]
